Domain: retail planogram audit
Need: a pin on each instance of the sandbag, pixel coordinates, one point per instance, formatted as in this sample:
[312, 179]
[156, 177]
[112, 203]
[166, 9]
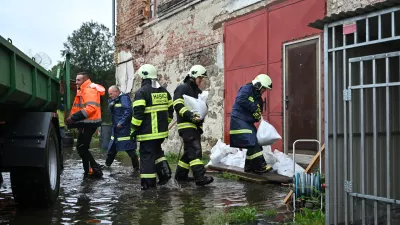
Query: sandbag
[197, 106]
[267, 134]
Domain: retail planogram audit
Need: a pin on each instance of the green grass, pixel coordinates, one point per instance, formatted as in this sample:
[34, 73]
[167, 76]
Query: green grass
[307, 216]
[270, 213]
[236, 215]
[229, 176]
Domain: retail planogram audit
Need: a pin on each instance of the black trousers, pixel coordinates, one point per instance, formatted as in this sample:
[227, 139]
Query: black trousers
[153, 163]
[255, 160]
[113, 152]
[191, 158]
[83, 145]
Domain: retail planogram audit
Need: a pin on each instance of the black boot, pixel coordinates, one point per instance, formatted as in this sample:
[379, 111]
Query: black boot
[204, 181]
[163, 172]
[135, 163]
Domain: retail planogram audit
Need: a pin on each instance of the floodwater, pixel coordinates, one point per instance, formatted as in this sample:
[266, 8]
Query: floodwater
[117, 199]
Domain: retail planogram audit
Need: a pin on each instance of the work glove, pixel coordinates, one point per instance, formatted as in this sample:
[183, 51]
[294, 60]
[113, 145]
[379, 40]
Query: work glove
[257, 114]
[78, 116]
[195, 119]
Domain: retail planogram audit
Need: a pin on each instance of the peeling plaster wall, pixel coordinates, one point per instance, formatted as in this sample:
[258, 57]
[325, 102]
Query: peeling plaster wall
[193, 35]
[338, 6]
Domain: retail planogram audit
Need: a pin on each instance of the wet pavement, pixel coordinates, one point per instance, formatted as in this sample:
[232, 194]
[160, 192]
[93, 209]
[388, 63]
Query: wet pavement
[117, 199]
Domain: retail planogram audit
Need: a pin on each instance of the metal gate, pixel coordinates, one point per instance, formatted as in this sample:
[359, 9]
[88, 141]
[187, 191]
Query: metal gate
[362, 119]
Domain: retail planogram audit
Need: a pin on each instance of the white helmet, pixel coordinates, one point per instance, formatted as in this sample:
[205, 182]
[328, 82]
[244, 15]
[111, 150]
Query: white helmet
[262, 81]
[147, 71]
[197, 71]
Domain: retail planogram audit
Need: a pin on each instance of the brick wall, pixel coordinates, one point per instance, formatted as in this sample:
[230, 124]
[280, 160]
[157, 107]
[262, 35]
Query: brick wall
[337, 6]
[173, 45]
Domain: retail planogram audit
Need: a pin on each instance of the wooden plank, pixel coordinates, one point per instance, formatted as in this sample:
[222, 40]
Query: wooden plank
[270, 177]
[314, 162]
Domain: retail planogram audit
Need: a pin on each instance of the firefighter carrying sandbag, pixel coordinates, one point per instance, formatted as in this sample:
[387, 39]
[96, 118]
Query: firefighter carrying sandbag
[190, 128]
[245, 112]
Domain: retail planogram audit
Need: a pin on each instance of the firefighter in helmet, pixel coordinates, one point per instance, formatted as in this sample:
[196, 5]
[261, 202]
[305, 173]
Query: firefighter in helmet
[246, 111]
[152, 113]
[190, 128]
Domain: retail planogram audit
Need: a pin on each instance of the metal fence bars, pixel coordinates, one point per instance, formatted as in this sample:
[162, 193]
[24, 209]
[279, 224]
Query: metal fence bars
[362, 119]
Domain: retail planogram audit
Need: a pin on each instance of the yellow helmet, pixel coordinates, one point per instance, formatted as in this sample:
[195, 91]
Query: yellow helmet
[147, 71]
[197, 71]
[262, 81]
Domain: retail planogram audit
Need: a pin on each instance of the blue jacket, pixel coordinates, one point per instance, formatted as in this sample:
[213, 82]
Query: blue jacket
[120, 110]
[243, 133]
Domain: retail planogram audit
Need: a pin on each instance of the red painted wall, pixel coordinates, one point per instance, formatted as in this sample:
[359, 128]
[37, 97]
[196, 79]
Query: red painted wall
[253, 44]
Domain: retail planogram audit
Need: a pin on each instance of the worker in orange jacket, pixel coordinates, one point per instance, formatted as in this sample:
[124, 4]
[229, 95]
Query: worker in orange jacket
[86, 117]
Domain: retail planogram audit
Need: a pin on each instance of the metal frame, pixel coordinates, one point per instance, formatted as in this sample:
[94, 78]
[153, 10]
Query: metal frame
[294, 170]
[319, 95]
[331, 189]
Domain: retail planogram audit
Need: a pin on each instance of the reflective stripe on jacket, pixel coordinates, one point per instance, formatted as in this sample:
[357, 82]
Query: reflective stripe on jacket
[242, 134]
[87, 101]
[152, 112]
[120, 110]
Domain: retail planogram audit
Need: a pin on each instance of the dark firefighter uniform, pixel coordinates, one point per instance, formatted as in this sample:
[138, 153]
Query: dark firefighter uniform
[243, 133]
[152, 113]
[120, 109]
[190, 130]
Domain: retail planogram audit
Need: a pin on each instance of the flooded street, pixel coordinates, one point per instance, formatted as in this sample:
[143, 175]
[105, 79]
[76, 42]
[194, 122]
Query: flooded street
[117, 199]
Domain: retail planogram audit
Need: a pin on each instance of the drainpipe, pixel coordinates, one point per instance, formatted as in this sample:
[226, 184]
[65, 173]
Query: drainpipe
[113, 17]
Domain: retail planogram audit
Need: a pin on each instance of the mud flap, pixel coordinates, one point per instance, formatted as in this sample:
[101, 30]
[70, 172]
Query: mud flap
[25, 139]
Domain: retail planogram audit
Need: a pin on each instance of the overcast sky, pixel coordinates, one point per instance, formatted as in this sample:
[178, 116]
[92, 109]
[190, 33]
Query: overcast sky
[43, 25]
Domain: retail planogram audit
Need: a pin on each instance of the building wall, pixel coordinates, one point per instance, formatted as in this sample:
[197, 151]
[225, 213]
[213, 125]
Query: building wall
[180, 38]
[338, 6]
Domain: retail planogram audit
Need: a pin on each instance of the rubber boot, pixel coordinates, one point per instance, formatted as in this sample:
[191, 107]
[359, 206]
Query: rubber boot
[204, 181]
[135, 163]
[163, 172]
[181, 174]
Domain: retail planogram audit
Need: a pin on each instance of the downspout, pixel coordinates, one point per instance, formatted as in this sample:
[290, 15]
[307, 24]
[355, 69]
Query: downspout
[113, 17]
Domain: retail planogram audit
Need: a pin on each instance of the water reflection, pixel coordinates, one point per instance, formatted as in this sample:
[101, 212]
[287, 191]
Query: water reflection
[117, 199]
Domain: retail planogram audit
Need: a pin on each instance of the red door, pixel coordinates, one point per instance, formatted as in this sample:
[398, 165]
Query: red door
[245, 57]
[253, 44]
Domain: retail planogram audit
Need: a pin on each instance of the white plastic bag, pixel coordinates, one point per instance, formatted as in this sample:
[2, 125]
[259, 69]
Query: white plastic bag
[197, 106]
[268, 156]
[203, 96]
[217, 152]
[267, 134]
[284, 165]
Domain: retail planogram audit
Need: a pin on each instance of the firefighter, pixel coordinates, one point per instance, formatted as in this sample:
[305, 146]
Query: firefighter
[85, 115]
[120, 108]
[190, 128]
[152, 113]
[245, 112]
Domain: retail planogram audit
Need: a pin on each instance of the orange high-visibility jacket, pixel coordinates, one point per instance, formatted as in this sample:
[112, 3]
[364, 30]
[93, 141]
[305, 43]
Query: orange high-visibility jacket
[86, 109]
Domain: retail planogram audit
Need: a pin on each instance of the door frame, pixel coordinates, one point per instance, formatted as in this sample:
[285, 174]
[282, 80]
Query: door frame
[319, 96]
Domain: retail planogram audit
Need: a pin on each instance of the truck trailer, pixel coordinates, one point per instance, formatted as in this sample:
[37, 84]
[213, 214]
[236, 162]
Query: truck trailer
[30, 143]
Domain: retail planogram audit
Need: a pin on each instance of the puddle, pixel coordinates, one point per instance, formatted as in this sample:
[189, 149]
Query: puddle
[117, 199]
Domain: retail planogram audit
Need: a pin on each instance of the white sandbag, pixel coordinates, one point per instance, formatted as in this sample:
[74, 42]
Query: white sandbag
[267, 134]
[217, 152]
[203, 96]
[284, 166]
[268, 156]
[196, 106]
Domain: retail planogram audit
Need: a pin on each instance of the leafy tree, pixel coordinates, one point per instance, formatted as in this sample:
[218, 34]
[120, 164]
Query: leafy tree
[92, 50]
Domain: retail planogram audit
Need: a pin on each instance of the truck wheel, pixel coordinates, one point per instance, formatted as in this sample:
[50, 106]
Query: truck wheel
[39, 187]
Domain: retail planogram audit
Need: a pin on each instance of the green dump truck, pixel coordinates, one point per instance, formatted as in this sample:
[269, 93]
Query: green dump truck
[30, 146]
